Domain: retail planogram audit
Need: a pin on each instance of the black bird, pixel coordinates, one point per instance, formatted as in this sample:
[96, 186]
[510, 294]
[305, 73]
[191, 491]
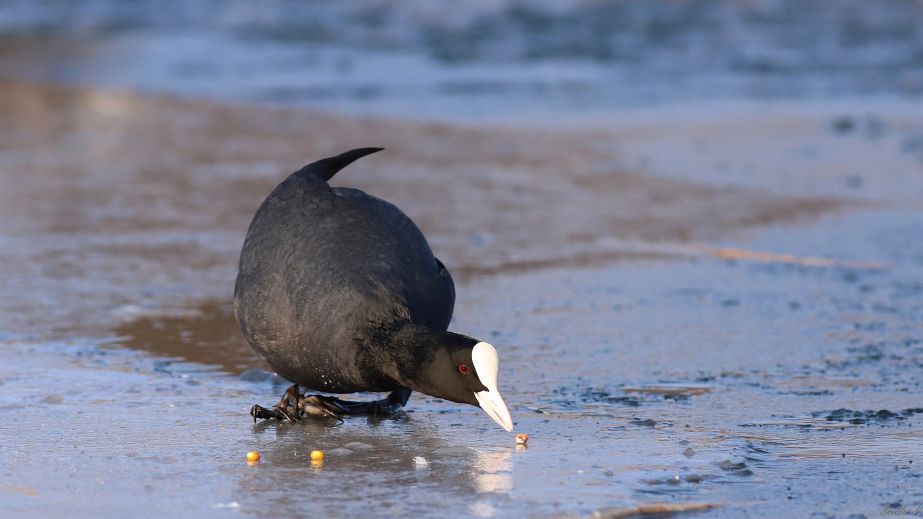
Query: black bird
[339, 292]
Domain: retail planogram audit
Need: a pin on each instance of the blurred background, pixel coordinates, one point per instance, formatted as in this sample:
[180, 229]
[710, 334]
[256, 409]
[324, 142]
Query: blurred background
[692, 228]
[490, 59]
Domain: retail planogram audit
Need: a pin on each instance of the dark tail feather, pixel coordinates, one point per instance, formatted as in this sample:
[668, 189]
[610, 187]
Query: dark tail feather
[327, 168]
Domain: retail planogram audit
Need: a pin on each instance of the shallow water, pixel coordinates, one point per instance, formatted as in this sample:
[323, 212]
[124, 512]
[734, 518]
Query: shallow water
[484, 60]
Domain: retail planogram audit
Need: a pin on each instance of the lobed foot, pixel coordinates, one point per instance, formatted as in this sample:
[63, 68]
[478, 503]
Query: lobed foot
[296, 405]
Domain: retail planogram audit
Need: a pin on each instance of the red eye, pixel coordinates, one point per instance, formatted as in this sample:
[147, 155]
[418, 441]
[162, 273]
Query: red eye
[463, 369]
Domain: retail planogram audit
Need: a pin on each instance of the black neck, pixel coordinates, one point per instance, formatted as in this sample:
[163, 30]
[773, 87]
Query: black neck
[407, 353]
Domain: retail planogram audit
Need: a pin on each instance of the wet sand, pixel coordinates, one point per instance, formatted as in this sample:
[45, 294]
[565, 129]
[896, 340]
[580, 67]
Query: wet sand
[644, 366]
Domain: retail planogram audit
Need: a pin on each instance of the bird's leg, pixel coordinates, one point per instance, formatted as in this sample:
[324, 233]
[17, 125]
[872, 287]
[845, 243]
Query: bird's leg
[386, 406]
[296, 405]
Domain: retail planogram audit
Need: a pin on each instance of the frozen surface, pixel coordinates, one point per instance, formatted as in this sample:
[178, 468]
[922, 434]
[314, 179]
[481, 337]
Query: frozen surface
[593, 244]
[773, 390]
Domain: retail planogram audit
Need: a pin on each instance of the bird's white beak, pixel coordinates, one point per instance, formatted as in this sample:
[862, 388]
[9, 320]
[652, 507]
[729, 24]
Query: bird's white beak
[492, 404]
[487, 364]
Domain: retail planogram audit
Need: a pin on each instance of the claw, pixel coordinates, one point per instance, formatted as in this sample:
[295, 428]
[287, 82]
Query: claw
[258, 411]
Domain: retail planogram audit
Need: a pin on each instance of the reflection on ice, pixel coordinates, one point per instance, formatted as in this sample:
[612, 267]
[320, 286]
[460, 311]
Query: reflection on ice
[493, 470]
[482, 509]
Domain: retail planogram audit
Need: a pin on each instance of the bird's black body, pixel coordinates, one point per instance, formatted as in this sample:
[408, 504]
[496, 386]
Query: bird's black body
[334, 285]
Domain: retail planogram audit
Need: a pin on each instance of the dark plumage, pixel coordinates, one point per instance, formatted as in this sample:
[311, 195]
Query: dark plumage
[339, 291]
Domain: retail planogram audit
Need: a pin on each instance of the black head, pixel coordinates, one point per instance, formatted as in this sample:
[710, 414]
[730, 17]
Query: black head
[460, 369]
[452, 374]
